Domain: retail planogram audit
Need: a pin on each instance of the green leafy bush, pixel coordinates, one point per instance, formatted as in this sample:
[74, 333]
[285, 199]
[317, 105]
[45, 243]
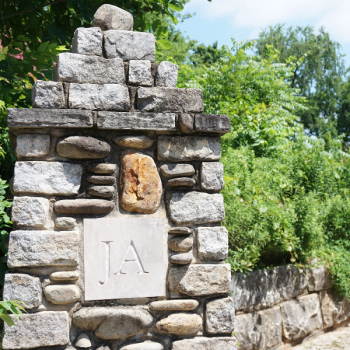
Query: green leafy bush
[13, 307]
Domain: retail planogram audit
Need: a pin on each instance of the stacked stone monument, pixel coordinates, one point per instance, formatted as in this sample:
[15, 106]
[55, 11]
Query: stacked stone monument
[117, 242]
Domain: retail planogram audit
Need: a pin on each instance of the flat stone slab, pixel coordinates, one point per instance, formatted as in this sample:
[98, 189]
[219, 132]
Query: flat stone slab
[181, 259]
[188, 148]
[202, 343]
[102, 168]
[47, 178]
[101, 179]
[84, 206]
[140, 73]
[212, 176]
[181, 182]
[43, 248]
[181, 244]
[212, 243]
[220, 316]
[47, 118]
[112, 17]
[48, 94]
[62, 294]
[41, 329]
[174, 170]
[33, 145]
[65, 222]
[212, 123]
[174, 305]
[180, 231]
[87, 41]
[101, 191]
[183, 324]
[167, 74]
[64, 276]
[137, 142]
[147, 345]
[136, 121]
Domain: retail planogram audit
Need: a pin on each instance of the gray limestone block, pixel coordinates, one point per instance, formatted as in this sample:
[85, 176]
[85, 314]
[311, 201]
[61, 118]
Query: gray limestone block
[212, 123]
[167, 74]
[43, 248]
[24, 288]
[137, 142]
[65, 222]
[195, 208]
[163, 99]
[64, 276]
[129, 45]
[81, 69]
[203, 343]
[83, 206]
[181, 324]
[220, 316]
[48, 94]
[33, 145]
[30, 211]
[63, 118]
[212, 176]
[102, 168]
[37, 330]
[62, 294]
[319, 279]
[182, 258]
[188, 148]
[140, 73]
[87, 41]
[212, 243]
[136, 121]
[112, 17]
[174, 170]
[101, 191]
[47, 178]
[181, 182]
[109, 97]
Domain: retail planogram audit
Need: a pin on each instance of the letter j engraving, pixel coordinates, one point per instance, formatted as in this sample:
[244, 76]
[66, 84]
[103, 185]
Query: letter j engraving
[108, 267]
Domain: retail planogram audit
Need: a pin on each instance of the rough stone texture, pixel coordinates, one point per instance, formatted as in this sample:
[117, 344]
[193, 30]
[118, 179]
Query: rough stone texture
[87, 41]
[63, 118]
[83, 341]
[259, 331]
[30, 211]
[112, 17]
[65, 222]
[130, 45]
[212, 243]
[108, 97]
[175, 170]
[180, 231]
[160, 99]
[167, 74]
[186, 123]
[33, 145]
[188, 148]
[83, 147]
[180, 324]
[212, 176]
[202, 343]
[181, 181]
[84, 206]
[301, 317]
[140, 184]
[181, 259]
[101, 191]
[174, 305]
[200, 280]
[101, 180]
[37, 330]
[319, 279]
[212, 123]
[48, 94]
[335, 309]
[220, 316]
[147, 345]
[64, 276]
[181, 244]
[81, 69]
[140, 73]
[42, 248]
[47, 178]
[113, 323]
[24, 288]
[194, 208]
[62, 294]
[137, 142]
[102, 168]
[136, 121]
[264, 288]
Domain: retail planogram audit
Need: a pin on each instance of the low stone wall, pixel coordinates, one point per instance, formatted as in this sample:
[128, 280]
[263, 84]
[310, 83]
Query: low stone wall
[279, 307]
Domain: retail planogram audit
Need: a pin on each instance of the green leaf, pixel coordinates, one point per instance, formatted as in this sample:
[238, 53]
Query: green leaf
[176, 6]
[165, 44]
[7, 319]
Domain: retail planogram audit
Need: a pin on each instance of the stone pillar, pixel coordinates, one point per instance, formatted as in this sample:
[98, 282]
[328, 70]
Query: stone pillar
[117, 242]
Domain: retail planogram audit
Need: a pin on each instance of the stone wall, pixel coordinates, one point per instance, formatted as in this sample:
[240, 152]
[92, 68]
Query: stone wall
[280, 307]
[117, 242]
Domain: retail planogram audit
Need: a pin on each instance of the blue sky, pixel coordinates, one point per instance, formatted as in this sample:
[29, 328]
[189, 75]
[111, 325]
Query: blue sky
[243, 19]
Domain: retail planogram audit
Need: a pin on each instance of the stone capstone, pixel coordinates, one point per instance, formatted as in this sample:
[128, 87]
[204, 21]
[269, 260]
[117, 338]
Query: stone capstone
[212, 123]
[174, 305]
[159, 99]
[212, 243]
[87, 69]
[188, 148]
[101, 180]
[30, 211]
[47, 178]
[62, 294]
[147, 345]
[64, 276]
[181, 259]
[212, 176]
[41, 329]
[65, 222]
[175, 170]
[319, 279]
[220, 316]
[43, 248]
[181, 244]
[186, 123]
[167, 74]
[137, 142]
[24, 288]
[108, 97]
[83, 147]
[33, 145]
[129, 45]
[84, 206]
[113, 323]
[194, 208]
[140, 73]
[87, 41]
[101, 191]
[200, 280]
[180, 324]
[140, 184]
[83, 341]
[112, 17]
[181, 181]
[202, 343]
[48, 94]
[180, 231]
[102, 168]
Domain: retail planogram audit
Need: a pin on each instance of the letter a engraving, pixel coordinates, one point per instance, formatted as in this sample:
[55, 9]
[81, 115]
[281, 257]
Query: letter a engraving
[132, 256]
[108, 267]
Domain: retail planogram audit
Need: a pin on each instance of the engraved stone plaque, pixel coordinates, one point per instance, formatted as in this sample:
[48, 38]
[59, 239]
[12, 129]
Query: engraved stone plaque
[124, 258]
